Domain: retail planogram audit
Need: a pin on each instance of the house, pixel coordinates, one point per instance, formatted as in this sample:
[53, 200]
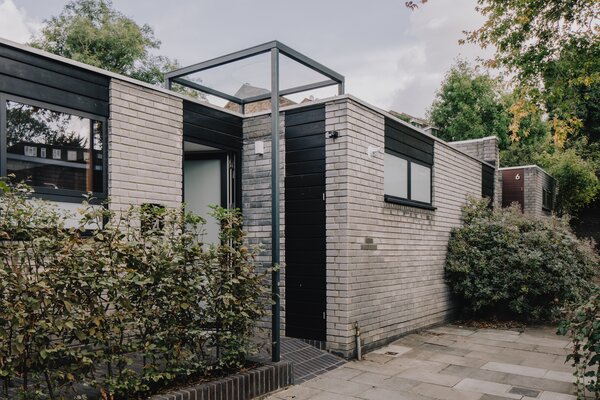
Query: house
[247, 90]
[367, 200]
[529, 186]
[532, 188]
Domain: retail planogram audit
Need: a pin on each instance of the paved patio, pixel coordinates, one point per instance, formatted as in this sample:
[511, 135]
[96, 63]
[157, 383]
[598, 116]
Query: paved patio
[450, 363]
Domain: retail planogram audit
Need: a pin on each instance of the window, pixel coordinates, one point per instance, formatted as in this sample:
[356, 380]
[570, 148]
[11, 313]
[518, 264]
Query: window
[420, 183]
[396, 176]
[547, 199]
[407, 182]
[69, 160]
[409, 158]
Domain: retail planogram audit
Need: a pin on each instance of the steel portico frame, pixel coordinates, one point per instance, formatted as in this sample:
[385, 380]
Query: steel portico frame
[176, 76]
[275, 48]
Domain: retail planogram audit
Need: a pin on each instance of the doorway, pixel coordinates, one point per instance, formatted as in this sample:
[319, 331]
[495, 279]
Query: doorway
[207, 180]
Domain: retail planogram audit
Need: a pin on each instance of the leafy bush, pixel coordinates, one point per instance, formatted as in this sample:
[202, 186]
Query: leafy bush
[505, 264]
[125, 302]
[583, 326]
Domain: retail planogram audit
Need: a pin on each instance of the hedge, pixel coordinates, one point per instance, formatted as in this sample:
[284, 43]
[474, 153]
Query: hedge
[124, 302]
[505, 264]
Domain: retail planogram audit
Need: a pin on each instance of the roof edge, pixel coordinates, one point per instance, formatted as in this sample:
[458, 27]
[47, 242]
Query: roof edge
[110, 74]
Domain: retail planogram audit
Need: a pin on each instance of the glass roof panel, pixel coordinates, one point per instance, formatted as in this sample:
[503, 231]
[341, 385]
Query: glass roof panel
[251, 77]
[243, 78]
[293, 74]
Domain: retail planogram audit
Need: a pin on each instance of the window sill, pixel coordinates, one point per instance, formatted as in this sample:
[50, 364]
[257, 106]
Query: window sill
[409, 203]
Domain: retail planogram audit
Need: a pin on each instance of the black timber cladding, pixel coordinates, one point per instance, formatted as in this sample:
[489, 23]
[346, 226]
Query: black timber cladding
[487, 181]
[211, 127]
[548, 192]
[50, 81]
[218, 129]
[407, 142]
[305, 251]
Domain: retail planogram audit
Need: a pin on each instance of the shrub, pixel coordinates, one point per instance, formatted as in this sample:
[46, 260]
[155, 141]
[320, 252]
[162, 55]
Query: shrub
[505, 264]
[583, 326]
[126, 302]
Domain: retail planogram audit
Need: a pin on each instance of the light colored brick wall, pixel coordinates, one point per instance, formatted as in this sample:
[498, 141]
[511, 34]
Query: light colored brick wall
[533, 191]
[145, 146]
[340, 332]
[256, 194]
[484, 149]
[385, 262]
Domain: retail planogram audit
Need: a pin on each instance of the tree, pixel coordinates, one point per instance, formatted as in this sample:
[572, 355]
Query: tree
[551, 50]
[578, 184]
[472, 105]
[93, 32]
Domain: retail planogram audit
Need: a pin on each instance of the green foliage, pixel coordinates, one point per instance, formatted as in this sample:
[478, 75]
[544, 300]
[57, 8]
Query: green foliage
[583, 326]
[93, 32]
[472, 105]
[577, 179]
[550, 49]
[575, 168]
[506, 264]
[469, 106]
[126, 306]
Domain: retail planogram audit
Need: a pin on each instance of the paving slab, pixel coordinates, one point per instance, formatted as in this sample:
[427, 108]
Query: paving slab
[515, 369]
[487, 387]
[452, 363]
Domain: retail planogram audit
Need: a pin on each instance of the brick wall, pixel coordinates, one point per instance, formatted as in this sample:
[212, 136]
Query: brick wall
[534, 190]
[484, 149]
[385, 262]
[145, 146]
[256, 194]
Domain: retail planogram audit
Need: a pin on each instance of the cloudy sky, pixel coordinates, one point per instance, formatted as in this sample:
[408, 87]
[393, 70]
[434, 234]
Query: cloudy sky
[391, 57]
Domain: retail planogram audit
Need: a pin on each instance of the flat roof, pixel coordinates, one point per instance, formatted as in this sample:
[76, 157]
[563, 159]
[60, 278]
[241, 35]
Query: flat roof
[161, 89]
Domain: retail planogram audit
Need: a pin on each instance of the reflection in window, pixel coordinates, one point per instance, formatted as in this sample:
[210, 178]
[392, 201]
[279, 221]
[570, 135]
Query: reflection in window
[420, 181]
[395, 174]
[70, 148]
[406, 180]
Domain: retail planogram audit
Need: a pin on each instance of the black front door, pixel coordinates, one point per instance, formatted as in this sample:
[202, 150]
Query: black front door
[305, 258]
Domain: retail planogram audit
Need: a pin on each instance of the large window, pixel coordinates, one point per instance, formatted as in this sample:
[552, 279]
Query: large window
[60, 152]
[406, 181]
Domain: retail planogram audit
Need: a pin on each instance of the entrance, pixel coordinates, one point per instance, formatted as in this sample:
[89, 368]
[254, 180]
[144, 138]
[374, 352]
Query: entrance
[207, 181]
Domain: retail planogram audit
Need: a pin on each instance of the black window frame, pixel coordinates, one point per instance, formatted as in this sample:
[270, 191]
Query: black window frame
[408, 201]
[547, 194]
[60, 195]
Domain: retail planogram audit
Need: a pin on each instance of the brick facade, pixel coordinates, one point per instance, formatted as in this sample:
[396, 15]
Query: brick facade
[256, 193]
[145, 146]
[484, 149]
[385, 262]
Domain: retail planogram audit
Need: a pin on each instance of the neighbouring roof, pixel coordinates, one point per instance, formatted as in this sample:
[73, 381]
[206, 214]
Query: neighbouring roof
[247, 90]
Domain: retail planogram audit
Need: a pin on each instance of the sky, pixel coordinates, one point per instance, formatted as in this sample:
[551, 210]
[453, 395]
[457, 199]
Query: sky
[391, 57]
